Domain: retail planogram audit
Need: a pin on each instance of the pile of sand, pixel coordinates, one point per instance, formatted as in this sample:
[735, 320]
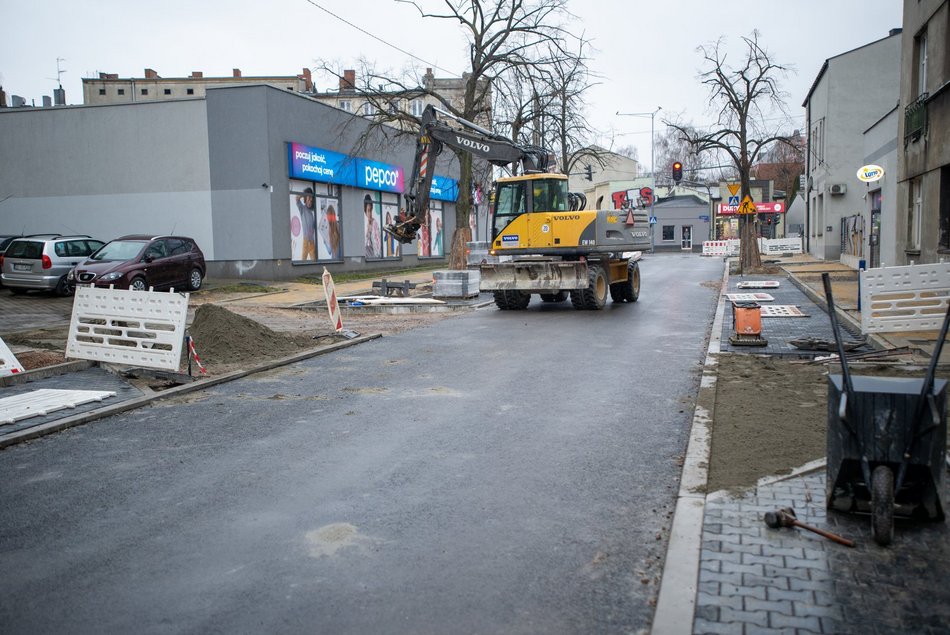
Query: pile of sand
[223, 337]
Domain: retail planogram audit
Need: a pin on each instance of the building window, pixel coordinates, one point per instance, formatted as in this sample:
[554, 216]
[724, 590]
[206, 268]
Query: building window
[121, 91]
[102, 91]
[394, 107]
[668, 232]
[145, 91]
[168, 91]
[914, 208]
[920, 53]
[346, 105]
[818, 143]
[369, 109]
[190, 91]
[416, 106]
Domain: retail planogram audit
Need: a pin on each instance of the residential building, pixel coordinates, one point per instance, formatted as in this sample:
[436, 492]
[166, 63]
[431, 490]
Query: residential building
[271, 183]
[109, 88]
[923, 158]
[851, 92]
[875, 240]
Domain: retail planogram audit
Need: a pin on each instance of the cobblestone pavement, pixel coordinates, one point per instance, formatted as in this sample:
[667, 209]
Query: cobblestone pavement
[754, 579]
[778, 331]
[32, 310]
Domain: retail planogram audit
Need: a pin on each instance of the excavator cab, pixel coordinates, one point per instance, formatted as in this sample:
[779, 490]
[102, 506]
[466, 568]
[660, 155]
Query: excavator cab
[515, 196]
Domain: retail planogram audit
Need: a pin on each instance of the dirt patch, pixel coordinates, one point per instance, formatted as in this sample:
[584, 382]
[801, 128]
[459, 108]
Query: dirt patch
[31, 360]
[224, 338]
[771, 416]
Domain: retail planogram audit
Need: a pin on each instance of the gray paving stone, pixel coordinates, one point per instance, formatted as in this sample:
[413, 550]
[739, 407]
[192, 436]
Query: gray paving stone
[703, 626]
[747, 569]
[774, 581]
[802, 609]
[721, 556]
[779, 620]
[722, 578]
[731, 601]
[768, 559]
[744, 591]
[791, 596]
[776, 606]
[728, 615]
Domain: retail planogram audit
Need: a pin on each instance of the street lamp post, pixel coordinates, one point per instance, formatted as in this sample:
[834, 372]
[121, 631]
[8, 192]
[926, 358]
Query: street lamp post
[651, 115]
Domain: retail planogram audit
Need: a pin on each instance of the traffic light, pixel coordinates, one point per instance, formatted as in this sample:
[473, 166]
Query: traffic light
[677, 172]
[590, 173]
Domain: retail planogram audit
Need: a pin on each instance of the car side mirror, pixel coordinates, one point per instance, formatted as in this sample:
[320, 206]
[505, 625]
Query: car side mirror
[148, 259]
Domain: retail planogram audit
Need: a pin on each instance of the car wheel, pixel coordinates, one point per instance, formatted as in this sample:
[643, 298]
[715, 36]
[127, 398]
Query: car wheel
[138, 284]
[63, 288]
[194, 279]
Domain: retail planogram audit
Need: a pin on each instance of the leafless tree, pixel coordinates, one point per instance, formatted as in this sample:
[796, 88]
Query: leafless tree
[745, 94]
[504, 36]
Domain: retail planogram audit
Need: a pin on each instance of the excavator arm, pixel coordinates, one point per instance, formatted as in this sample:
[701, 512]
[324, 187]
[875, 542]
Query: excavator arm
[434, 135]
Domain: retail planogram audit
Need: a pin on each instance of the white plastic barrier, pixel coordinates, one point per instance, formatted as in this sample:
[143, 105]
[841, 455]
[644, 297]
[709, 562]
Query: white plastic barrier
[767, 246]
[772, 246]
[911, 298]
[728, 247]
[134, 328]
[9, 364]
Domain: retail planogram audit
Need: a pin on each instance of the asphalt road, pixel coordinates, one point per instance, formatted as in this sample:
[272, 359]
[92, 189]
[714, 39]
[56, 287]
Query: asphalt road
[497, 472]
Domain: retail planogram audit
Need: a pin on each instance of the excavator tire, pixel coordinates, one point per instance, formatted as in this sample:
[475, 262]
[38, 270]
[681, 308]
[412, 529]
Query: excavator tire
[594, 297]
[630, 288]
[512, 300]
[560, 296]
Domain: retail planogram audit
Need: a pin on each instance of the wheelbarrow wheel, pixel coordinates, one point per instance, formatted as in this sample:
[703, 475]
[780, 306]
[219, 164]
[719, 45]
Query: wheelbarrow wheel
[882, 505]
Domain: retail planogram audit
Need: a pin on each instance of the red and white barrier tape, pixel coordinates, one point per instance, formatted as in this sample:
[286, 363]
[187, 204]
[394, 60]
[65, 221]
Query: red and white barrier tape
[194, 355]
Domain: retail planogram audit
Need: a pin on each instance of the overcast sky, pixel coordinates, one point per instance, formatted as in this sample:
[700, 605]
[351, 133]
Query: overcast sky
[646, 53]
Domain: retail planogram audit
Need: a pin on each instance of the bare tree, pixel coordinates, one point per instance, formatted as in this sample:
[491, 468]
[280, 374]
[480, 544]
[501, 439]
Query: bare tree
[744, 95]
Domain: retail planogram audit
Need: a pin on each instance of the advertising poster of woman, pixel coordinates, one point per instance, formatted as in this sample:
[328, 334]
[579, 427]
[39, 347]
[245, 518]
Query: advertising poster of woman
[304, 242]
[328, 229]
[424, 238]
[372, 229]
[435, 219]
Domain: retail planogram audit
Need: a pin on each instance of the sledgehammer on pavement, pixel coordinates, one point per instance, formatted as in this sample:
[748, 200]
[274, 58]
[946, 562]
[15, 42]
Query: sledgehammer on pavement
[785, 517]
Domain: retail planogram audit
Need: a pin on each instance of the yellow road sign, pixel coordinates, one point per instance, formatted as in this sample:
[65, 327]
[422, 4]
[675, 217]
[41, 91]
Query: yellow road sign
[733, 188]
[747, 206]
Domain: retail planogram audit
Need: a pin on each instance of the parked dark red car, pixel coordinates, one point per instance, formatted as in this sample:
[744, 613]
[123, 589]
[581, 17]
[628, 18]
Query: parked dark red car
[143, 262]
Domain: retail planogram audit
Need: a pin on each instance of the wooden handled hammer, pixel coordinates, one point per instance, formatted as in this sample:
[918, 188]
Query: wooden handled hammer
[785, 517]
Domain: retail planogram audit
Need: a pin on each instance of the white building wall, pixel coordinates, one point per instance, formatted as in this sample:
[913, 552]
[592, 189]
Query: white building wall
[854, 92]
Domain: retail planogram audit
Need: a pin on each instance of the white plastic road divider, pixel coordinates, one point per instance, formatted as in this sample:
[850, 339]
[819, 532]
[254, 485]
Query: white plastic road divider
[767, 246]
[908, 298]
[46, 400]
[332, 304]
[9, 364]
[133, 328]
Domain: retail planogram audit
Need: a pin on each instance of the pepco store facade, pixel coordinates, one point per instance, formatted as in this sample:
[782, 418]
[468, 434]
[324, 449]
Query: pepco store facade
[271, 184]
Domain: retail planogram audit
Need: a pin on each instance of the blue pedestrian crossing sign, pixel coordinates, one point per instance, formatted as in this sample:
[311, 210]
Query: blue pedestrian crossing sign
[653, 220]
[734, 201]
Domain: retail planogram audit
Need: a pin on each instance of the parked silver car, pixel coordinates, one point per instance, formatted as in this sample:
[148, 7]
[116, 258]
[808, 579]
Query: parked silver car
[41, 262]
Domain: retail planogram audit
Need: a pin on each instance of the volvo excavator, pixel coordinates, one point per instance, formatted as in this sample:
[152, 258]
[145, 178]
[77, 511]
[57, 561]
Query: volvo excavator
[547, 243]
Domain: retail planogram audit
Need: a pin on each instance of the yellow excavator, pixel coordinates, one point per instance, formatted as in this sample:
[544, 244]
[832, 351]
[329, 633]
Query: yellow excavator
[546, 242]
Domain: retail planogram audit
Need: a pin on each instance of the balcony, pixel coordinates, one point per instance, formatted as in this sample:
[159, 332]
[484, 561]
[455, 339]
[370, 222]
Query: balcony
[915, 118]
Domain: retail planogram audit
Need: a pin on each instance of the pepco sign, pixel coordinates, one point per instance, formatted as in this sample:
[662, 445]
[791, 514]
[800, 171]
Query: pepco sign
[374, 175]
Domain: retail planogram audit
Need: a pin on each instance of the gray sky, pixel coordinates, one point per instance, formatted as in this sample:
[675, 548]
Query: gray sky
[646, 51]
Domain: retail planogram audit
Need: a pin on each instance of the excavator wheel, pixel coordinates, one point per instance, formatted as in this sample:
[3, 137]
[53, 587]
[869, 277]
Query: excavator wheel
[629, 289]
[512, 300]
[594, 297]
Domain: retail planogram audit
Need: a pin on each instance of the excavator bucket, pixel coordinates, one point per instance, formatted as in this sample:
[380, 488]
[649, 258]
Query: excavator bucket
[533, 276]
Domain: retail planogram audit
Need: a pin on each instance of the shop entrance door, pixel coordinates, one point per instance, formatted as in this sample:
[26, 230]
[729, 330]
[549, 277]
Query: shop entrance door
[687, 237]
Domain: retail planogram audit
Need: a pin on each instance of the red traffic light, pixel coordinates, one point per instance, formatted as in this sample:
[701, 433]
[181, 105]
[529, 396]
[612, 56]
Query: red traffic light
[677, 171]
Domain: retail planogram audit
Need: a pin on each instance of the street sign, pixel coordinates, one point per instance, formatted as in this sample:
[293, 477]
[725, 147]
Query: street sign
[704, 217]
[734, 188]
[653, 220]
[734, 201]
[747, 206]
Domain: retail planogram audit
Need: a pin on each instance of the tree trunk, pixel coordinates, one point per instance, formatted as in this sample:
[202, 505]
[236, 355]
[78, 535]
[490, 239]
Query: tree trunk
[463, 208]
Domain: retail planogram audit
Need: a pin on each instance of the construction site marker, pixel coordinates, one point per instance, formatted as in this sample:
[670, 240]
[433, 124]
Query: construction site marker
[333, 306]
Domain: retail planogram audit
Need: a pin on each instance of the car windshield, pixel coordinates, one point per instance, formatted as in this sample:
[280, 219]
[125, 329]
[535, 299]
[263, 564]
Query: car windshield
[119, 250]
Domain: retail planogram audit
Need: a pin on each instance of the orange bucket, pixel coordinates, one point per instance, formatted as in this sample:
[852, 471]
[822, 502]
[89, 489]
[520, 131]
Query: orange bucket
[748, 318]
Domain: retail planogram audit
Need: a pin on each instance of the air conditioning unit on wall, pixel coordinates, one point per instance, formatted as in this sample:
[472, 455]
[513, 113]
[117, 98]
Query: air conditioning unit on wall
[837, 188]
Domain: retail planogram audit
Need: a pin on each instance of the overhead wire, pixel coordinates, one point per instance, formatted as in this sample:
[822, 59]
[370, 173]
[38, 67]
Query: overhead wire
[379, 39]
